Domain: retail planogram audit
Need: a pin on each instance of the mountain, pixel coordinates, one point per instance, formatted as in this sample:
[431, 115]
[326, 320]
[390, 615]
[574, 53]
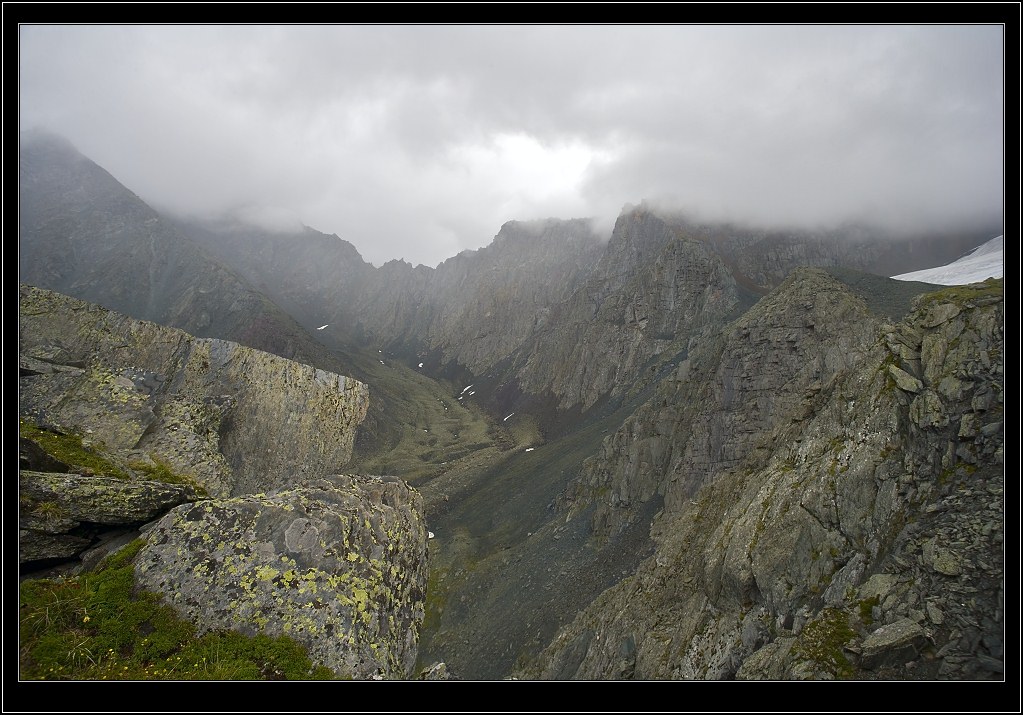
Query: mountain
[84, 234]
[548, 318]
[583, 416]
[821, 513]
[985, 261]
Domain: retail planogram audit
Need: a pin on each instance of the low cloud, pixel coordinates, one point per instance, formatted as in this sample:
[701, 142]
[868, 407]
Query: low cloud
[418, 142]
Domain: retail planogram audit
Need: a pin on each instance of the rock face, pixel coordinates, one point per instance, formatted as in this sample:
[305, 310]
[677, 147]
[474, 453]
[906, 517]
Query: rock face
[338, 564]
[720, 402]
[651, 290]
[238, 420]
[858, 535]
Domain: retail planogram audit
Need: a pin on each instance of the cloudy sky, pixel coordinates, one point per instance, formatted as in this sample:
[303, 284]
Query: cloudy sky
[419, 141]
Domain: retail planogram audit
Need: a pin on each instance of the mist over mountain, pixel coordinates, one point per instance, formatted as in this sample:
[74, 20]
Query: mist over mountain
[693, 449]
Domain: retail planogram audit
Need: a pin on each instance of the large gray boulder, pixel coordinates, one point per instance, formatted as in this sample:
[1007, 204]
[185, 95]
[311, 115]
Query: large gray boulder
[338, 564]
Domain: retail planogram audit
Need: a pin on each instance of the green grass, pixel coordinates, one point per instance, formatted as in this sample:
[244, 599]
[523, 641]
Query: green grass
[99, 627]
[428, 428]
[160, 471]
[992, 287]
[68, 448]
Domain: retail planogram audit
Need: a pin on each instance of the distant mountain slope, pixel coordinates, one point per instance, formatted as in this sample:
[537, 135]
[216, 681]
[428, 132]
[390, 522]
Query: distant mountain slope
[985, 261]
[84, 234]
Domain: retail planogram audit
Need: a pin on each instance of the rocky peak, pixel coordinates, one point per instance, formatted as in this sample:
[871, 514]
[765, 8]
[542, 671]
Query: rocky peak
[639, 235]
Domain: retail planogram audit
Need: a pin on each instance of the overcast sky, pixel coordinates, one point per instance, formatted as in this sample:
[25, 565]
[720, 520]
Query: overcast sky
[418, 142]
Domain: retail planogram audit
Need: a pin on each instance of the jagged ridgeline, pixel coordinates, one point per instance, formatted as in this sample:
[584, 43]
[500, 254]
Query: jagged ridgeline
[687, 451]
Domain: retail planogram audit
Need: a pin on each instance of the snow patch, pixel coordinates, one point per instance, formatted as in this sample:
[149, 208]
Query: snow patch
[420, 364]
[322, 326]
[985, 261]
[506, 418]
[530, 449]
[466, 388]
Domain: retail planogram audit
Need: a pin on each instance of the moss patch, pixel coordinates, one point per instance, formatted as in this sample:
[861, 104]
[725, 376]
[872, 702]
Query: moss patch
[68, 448]
[867, 609]
[992, 287]
[822, 639]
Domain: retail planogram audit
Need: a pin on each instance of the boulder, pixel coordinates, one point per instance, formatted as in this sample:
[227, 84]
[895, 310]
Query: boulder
[338, 564]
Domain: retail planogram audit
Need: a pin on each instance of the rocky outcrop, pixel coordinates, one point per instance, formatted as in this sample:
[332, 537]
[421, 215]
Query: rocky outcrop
[59, 514]
[865, 540]
[237, 420]
[339, 564]
[336, 562]
[720, 403]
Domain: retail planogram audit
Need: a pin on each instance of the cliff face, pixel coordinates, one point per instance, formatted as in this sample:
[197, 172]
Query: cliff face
[720, 402]
[491, 301]
[238, 420]
[651, 293]
[860, 536]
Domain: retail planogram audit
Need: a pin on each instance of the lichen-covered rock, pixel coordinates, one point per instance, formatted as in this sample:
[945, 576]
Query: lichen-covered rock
[894, 643]
[338, 564]
[238, 420]
[53, 506]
